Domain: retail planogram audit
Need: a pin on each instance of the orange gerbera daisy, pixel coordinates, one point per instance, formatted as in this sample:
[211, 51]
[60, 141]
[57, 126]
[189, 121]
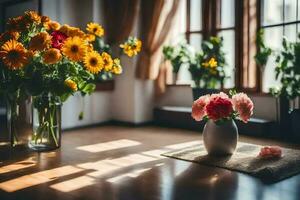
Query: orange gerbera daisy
[52, 25]
[108, 61]
[40, 42]
[52, 56]
[32, 17]
[9, 35]
[14, 55]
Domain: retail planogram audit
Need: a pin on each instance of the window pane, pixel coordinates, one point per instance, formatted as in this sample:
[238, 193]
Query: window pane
[273, 39]
[195, 41]
[229, 49]
[196, 15]
[227, 13]
[272, 12]
[290, 32]
[290, 10]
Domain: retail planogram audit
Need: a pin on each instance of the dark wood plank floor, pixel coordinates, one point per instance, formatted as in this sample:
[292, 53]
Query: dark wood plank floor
[113, 163]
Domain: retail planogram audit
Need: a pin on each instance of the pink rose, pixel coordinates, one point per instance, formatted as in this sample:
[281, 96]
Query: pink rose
[198, 108]
[270, 152]
[243, 105]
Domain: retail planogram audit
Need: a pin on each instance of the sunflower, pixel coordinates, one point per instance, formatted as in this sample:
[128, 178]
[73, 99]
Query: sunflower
[40, 42]
[117, 68]
[95, 29]
[71, 84]
[74, 48]
[93, 62]
[52, 56]
[108, 61]
[132, 47]
[14, 55]
[52, 25]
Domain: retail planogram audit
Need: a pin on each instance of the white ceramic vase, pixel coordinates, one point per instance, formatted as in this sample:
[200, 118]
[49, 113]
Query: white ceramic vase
[220, 139]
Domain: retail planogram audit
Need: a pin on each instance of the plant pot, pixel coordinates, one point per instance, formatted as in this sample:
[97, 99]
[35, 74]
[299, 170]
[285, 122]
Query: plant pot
[46, 123]
[198, 92]
[284, 117]
[220, 139]
[295, 118]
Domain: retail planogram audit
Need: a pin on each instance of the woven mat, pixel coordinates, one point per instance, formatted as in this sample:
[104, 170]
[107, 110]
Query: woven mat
[245, 160]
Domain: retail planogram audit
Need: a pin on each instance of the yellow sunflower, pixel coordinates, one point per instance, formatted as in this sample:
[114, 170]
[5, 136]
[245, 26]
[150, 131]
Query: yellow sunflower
[108, 61]
[74, 48]
[71, 84]
[52, 56]
[93, 62]
[117, 68]
[40, 42]
[14, 55]
[132, 47]
[95, 29]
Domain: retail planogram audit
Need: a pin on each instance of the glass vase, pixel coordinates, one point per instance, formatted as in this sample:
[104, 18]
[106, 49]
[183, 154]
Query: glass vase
[19, 123]
[46, 123]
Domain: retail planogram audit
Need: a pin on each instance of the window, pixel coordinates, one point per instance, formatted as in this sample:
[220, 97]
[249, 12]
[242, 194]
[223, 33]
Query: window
[226, 29]
[278, 18]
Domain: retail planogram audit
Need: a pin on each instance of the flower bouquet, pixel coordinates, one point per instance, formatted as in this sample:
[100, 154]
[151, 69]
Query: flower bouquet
[50, 62]
[220, 133]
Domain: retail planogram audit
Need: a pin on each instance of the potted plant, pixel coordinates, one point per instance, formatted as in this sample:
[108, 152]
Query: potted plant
[207, 68]
[51, 62]
[288, 73]
[178, 55]
[263, 53]
[220, 134]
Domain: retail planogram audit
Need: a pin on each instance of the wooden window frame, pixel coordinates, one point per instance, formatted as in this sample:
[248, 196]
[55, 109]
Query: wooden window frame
[211, 19]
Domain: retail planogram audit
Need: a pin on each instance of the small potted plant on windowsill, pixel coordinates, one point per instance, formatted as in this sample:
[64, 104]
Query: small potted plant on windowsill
[288, 73]
[177, 55]
[207, 69]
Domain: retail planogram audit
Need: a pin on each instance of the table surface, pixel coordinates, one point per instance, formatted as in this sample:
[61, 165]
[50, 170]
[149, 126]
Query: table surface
[113, 162]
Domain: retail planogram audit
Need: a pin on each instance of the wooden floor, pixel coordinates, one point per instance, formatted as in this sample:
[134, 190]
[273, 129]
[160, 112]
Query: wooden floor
[113, 162]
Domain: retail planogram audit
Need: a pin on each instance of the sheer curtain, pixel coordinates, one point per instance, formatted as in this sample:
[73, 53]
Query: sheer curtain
[157, 18]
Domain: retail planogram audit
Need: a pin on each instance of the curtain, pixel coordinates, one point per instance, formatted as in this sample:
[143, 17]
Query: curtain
[156, 24]
[119, 19]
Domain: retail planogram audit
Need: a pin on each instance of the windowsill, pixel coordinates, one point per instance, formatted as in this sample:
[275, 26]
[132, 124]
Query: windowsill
[250, 92]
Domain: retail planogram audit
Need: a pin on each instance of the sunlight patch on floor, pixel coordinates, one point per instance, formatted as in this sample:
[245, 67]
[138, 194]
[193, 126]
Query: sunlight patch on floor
[38, 178]
[132, 174]
[106, 146]
[18, 165]
[73, 184]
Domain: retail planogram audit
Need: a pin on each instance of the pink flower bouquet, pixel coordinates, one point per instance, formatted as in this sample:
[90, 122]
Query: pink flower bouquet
[221, 107]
